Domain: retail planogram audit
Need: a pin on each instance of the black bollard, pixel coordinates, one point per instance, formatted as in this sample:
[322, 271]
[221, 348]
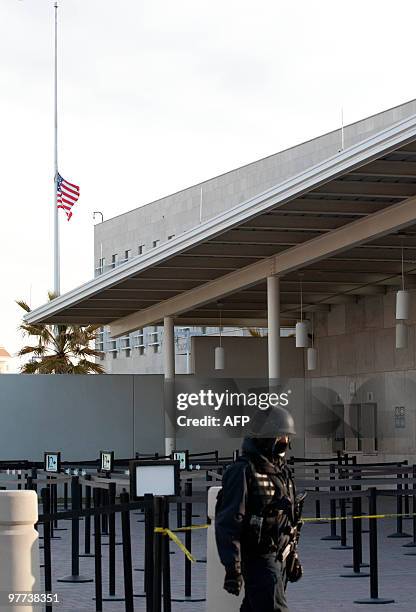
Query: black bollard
[356, 542]
[54, 487]
[188, 544]
[343, 515]
[47, 560]
[317, 501]
[87, 524]
[127, 564]
[34, 476]
[333, 509]
[112, 547]
[97, 554]
[75, 576]
[66, 495]
[358, 561]
[51, 506]
[157, 558]
[399, 511]
[149, 536]
[374, 598]
[412, 544]
[406, 491]
[179, 513]
[104, 517]
[167, 606]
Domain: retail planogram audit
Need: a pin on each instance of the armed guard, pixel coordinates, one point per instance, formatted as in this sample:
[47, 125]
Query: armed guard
[258, 517]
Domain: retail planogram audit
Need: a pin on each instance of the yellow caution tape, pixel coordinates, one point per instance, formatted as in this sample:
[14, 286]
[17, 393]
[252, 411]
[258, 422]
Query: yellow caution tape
[191, 527]
[174, 538]
[312, 519]
[308, 519]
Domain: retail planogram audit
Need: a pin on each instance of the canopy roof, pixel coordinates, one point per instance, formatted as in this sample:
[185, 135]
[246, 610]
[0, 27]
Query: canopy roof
[339, 227]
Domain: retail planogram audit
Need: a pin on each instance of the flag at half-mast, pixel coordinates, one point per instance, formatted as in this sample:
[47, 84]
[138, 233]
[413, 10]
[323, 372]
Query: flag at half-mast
[66, 195]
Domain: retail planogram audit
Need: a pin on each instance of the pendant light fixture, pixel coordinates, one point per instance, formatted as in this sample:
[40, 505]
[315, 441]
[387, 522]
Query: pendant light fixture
[219, 350]
[401, 335]
[302, 340]
[402, 299]
[311, 353]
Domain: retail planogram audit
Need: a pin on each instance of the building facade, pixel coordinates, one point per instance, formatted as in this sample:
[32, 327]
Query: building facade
[5, 361]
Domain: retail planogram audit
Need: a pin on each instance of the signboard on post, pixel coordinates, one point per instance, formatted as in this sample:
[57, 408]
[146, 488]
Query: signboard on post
[183, 457]
[106, 462]
[52, 462]
[154, 478]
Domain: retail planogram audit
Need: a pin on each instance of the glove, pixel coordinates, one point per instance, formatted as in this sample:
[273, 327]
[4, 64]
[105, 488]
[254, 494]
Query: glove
[233, 580]
[294, 570]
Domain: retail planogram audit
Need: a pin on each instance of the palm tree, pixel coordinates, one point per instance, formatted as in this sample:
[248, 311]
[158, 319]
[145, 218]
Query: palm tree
[59, 349]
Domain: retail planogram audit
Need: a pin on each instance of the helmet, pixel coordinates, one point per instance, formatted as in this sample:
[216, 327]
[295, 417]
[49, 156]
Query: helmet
[272, 423]
[266, 427]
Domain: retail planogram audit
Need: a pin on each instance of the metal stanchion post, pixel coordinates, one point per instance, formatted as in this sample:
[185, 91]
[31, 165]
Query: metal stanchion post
[188, 544]
[333, 510]
[343, 515]
[167, 606]
[356, 541]
[87, 523]
[54, 487]
[112, 547]
[34, 476]
[374, 598]
[65, 495]
[127, 564]
[97, 555]
[75, 576]
[317, 501]
[399, 505]
[47, 560]
[157, 558]
[412, 544]
[149, 528]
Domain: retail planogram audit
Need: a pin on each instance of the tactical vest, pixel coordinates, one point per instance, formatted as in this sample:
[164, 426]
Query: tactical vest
[270, 507]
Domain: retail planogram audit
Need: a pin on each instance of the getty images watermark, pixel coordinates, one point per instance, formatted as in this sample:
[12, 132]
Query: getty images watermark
[224, 409]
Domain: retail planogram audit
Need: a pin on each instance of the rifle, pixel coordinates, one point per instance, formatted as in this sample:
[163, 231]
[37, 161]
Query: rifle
[290, 554]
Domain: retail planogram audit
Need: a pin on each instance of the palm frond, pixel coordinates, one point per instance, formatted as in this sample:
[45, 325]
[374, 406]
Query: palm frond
[24, 305]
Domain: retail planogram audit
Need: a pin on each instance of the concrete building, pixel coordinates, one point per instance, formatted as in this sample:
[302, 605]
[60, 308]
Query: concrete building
[5, 361]
[324, 232]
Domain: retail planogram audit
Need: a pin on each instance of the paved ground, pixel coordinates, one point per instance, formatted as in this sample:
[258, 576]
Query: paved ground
[321, 588]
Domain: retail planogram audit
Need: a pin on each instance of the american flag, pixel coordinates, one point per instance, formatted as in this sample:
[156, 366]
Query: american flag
[66, 195]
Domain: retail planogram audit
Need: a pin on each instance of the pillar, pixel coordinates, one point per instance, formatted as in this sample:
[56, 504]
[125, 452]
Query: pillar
[19, 545]
[169, 374]
[273, 324]
[217, 598]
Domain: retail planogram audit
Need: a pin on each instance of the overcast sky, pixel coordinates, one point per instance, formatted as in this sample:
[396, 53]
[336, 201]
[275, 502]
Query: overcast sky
[156, 95]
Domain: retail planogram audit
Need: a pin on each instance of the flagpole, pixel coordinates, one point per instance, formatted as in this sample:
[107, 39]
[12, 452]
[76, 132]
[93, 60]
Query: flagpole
[57, 280]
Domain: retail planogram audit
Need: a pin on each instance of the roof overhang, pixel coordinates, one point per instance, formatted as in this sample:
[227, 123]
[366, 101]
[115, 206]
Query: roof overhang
[357, 197]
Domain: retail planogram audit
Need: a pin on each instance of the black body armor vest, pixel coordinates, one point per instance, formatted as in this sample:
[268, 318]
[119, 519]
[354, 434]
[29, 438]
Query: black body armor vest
[270, 506]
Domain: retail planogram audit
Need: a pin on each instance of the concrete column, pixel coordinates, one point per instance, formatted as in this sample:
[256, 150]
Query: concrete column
[273, 324]
[217, 598]
[19, 545]
[169, 373]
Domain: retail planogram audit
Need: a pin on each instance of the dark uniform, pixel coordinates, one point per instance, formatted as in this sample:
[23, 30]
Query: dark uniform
[255, 516]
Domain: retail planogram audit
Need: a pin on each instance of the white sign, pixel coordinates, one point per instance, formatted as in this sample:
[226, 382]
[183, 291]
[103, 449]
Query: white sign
[155, 479]
[51, 462]
[106, 462]
[181, 457]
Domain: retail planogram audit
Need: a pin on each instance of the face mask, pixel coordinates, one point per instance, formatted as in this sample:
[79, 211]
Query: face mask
[280, 447]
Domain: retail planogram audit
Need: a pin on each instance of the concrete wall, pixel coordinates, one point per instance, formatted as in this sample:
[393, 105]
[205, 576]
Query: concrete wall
[178, 212]
[244, 357]
[79, 415]
[358, 362]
